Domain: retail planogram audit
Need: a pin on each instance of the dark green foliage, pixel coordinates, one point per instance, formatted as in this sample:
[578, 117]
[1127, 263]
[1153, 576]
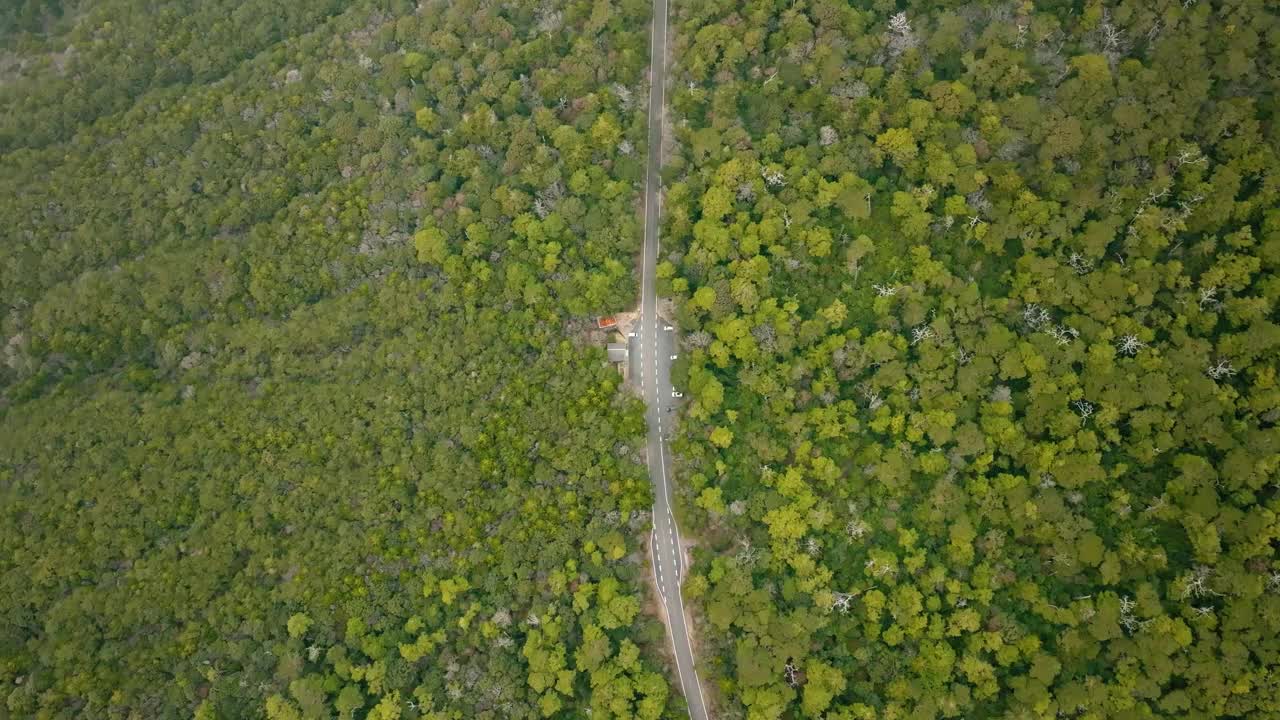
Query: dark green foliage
[298, 415]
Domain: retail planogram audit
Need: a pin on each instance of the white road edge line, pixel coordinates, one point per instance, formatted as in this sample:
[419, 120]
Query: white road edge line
[654, 568]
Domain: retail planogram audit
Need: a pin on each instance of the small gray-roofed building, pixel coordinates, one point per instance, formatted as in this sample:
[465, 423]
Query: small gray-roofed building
[617, 352]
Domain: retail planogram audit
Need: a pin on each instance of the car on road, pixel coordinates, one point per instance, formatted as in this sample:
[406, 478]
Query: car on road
[667, 328]
[676, 394]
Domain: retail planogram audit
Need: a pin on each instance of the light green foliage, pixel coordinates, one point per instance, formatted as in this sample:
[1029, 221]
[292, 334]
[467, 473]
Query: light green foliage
[823, 683]
[991, 329]
[389, 708]
[430, 243]
[279, 708]
[615, 609]
[298, 624]
[721, 437]
[899, 144]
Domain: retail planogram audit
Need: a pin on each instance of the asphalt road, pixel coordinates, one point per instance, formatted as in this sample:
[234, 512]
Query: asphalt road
[657, 347]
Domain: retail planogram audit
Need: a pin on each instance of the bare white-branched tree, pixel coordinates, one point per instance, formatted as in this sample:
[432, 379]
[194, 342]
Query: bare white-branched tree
[856, 529]
[747, 555]
[885, 290]
[827, 135]
[1062, 334]
[548, 198]
[698, 339]
[899, 24]
[773, 178]
[872, 397]
[1155, 30]
[1034, 316]
[1079, 263]
[812, 547]
[1084, 409]
[1152, 198]
[1127, 619]
[921, 333]
[624, 95]
[1113, 42]
[791, 673]
[876, 569]
[962, 356]
[1196, 583]
[1209, 298]
[1220, 371]
[1129, 345]
[1185, 208]
[900, 37]
[1190, 155]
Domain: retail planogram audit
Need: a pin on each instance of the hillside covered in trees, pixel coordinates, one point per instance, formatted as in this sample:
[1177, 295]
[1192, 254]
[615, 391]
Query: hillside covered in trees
[981, 327]
[297, 416]
[301, 416]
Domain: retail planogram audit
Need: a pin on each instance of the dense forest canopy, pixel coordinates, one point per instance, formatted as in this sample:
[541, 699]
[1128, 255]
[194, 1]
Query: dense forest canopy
[298, 418]
[980, 314]
[302, 414]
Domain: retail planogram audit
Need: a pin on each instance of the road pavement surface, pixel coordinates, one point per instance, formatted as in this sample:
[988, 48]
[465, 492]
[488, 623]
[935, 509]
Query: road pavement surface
[657, 347]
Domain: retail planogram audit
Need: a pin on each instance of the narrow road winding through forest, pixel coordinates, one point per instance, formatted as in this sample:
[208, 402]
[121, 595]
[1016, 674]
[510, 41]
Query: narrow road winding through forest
[657, 349]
